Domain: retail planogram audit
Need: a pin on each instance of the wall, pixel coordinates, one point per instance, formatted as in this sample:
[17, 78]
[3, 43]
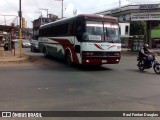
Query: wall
[124, 31]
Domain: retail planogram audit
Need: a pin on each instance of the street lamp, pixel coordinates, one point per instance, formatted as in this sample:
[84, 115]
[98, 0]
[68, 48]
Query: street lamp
[62, 7]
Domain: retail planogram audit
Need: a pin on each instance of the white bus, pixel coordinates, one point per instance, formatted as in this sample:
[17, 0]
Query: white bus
[86, 39]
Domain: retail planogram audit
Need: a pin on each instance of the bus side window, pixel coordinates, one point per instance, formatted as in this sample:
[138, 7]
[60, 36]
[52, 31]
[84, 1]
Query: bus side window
[79, 31]
[70, 29]
[80, 28]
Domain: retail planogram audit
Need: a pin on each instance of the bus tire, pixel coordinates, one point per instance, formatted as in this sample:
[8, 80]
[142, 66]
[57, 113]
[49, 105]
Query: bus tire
[68, 58]
[45, 53]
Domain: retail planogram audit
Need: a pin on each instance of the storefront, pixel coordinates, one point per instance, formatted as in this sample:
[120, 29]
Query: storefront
[149, 13]
[5, 34]
[137, 44]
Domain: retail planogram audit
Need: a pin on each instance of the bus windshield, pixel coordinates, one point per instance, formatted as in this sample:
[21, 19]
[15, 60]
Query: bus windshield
[101, 31]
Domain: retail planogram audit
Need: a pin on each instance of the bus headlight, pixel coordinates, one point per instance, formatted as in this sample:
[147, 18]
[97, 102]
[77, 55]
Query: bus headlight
[117, 54]
[87, 53]
[87, 61]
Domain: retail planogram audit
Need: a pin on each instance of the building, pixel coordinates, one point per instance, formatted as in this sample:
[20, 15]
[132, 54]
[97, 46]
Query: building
[125, 34]
[41, 21]
[149, 13]
[6, 33]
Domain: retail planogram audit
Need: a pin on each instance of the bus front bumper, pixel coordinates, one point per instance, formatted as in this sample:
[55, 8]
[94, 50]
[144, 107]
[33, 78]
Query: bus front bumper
[100, 61]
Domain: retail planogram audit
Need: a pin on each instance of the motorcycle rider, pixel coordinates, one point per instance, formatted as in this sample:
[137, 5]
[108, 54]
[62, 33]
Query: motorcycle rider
[144, 54]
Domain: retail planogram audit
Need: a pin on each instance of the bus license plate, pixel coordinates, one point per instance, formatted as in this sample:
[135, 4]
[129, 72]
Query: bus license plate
[104, 61]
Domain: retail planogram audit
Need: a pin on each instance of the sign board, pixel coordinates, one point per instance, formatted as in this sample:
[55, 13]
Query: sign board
[125, 18]
[145, 16]
[148, 7]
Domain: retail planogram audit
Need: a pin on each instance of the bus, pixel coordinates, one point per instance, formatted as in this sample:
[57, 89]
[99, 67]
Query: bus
[86, 39]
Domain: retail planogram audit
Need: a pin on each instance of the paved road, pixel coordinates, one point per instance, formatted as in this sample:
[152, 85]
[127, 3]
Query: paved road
[48, 85]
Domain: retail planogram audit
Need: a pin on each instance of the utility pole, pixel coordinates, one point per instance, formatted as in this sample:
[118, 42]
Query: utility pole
[20, 29]
[5, 19]
[119, 3]
[62, 7]
[45, 10]
[74, 12]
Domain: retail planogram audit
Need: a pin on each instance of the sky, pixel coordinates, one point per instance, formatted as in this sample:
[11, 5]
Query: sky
[31, 9]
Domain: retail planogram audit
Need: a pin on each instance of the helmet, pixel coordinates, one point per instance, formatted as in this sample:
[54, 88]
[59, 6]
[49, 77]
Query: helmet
[145, 45]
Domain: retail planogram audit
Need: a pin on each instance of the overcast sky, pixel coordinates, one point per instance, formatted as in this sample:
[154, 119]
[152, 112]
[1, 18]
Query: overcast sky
[30, 8]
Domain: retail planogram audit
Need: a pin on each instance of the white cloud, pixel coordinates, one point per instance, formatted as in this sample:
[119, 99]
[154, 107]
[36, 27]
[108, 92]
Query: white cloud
[29, 7]
[70, 10]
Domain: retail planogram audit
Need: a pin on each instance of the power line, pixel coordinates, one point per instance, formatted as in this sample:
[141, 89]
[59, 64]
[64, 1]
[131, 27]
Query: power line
[104, 5]
[10, 5]
[145, 2]
[36, 4]
[100, 6]
[6, 21]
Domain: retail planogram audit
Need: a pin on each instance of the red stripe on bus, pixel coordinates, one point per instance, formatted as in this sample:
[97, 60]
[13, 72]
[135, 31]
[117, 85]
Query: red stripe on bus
[111, 46]
[65, 44]
[98, 46]
[62, 41]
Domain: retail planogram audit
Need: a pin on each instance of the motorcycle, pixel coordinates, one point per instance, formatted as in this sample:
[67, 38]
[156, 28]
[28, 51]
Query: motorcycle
[147, 64]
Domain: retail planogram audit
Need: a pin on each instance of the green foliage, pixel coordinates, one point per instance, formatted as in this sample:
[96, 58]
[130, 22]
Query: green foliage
[137, 28]
[155, 33]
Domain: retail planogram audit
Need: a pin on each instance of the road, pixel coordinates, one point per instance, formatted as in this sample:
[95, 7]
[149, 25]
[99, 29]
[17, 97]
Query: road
[49, 85]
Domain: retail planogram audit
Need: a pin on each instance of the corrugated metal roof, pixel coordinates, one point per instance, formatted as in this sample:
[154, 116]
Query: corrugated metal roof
[6, 28]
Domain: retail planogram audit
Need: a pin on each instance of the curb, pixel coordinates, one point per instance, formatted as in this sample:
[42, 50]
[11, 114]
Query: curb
[129, 52]
[23, 60]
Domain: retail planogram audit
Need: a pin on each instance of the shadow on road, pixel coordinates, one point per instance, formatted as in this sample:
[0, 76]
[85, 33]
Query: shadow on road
[139, 71]
[91, 68]
[60, 65]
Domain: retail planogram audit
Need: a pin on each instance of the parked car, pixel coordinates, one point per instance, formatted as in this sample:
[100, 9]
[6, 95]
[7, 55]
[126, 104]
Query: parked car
[15, 40]
[34, 46]
[26, 43]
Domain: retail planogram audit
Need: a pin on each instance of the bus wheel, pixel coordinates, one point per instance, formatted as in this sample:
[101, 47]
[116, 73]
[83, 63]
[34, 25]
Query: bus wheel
[68, 58]
[45, 52]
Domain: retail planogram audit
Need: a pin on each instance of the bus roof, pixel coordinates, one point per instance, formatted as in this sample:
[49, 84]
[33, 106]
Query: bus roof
[81, 15]
[98, 16]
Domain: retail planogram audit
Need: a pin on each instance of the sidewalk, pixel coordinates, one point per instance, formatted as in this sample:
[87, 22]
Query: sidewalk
[8, 56]
[126, 51]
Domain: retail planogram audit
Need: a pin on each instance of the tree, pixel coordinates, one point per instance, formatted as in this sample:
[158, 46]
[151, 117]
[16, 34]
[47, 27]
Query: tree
[138, 28]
